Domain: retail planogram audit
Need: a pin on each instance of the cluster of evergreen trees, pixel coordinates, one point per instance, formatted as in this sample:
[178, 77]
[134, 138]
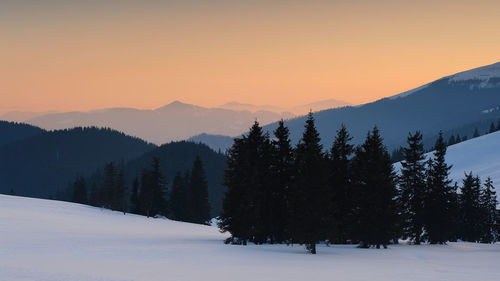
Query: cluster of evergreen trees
[301, 195]
[187, 200]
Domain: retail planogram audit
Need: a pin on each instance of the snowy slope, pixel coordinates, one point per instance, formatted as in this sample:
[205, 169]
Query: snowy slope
[480, 155]
[481, 73]
[51, 240]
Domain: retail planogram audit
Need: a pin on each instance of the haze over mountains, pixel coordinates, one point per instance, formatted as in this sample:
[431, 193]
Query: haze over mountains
[175, 121]
[297, 110]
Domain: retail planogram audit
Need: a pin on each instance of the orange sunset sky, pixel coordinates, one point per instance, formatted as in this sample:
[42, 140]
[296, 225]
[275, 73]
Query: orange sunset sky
[81, 55]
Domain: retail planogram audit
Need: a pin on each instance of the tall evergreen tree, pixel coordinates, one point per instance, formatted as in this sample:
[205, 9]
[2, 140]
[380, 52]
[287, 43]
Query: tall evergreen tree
[179, 205]
[308, 203]
[439, 197]
[246, 178]
[237, 207]
[452, 140]
[199, 211]
[80, 191]
[281, 179]
[470, 209]
[119, 198]
[94, 194]
[146, 196]
[498, 125]
[476, 133]
[376, 206]
[340, 188]
[135, 207]
[492, 128]
[488, 203]
[108, 184]
[412, 188]
[153, 187]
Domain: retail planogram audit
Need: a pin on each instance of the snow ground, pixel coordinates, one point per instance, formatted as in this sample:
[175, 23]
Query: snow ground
[51, 241]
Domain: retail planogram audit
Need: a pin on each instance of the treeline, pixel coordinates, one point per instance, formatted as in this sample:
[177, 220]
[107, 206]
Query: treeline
[301, 195]
[397, 154]
[149, 195]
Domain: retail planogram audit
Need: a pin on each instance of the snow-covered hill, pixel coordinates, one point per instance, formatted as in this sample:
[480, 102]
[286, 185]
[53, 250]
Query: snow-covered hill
[57, 241]
[445, 104]
[481, 156]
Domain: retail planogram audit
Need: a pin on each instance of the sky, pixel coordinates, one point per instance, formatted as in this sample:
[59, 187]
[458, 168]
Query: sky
[81, 55]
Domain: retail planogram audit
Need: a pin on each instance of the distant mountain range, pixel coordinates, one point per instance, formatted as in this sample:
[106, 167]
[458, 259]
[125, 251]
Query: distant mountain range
[296, 110]
[173, 122]
[445, 104]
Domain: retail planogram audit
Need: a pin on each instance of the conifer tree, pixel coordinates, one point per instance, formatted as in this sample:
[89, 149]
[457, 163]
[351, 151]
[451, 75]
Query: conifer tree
[237, 212]
[94, 194]
[146, 196]
[412, 188]
[12, 193]
[119, 197]
[199, 211]
[470, 209]
[476, 133]
[179, 198]
[376, 206]
[340, 188]
[498, 125]
[152, 197]
[308, 203]
[488, 203]
[79, 191]
[492, 128]
[439, 197]
[135, 207]
[108, 184]
[281, 177]
[451, 140]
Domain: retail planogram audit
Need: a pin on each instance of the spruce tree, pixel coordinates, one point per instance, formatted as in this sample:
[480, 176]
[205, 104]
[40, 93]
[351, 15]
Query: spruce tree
[146, 196]
[79, 191]
[237, 212]
[492, 128]
[308, 203]
[470, 209]
[153, 188]
[412, 188]
[94, 194]
[340, 188]
[199, 210]
[179, 205]
[498, 125]
[488, 203]
[135, 207]
[247, 202]
[108, 184]
[375, 206]
[451, 140]
[476, 133]
[119, 198]
[439, 197]
[281, 177]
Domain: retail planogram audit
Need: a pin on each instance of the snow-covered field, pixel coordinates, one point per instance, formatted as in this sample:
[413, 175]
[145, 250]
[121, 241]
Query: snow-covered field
[51, 240]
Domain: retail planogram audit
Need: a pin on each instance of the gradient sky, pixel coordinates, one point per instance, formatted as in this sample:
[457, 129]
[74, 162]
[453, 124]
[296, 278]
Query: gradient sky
[80, 55]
